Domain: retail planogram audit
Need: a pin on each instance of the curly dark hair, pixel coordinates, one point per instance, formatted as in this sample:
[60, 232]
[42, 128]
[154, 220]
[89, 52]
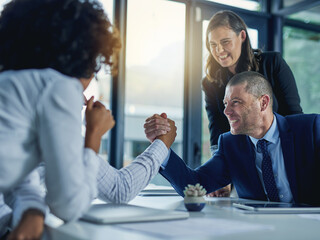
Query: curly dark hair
[73, 37]
[249, 58]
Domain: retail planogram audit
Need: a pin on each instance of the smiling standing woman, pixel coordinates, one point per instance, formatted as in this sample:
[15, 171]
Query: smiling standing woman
[230, 53]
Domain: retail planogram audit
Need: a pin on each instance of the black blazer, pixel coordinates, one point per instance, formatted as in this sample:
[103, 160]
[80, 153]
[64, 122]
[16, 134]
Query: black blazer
[286, 100]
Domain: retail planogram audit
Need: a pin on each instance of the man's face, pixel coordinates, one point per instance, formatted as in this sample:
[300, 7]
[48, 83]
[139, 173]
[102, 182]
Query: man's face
[242, 110]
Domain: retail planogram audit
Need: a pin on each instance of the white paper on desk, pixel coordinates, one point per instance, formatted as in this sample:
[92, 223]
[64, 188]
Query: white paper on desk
[194, 227]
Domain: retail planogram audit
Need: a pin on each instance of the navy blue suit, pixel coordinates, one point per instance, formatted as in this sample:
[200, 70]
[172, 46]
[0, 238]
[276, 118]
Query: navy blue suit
[234, 162]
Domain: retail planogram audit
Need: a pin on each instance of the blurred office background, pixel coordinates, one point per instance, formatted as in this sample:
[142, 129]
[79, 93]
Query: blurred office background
[162, 64]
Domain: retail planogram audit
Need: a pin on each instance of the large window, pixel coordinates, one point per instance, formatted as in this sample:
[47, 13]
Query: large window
[301, 51]
[309, 16]
[254, 5]
[154, 69]
[100, 85]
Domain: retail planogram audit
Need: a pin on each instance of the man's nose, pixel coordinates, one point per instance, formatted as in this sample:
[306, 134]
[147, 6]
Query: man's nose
[227, 110]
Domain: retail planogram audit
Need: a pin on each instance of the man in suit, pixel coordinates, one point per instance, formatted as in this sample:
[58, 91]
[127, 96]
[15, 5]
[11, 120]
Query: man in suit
[290, 144]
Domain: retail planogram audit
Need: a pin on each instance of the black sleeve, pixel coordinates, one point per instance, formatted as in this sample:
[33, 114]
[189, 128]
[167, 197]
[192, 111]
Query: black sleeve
[285, 88]
[218, 123]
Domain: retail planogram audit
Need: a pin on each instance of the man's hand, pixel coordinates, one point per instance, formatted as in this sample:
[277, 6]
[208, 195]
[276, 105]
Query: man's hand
[169, 137]
[30, 226]
[156, 125]
[99, 121]
[222, 192]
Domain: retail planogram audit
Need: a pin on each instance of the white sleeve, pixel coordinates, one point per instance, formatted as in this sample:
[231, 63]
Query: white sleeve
[27, 195]
[121, 186]
[70, 176]
[5, 216]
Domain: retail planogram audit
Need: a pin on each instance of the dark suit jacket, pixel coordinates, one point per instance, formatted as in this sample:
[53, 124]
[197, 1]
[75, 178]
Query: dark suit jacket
[286, 100]
[234, 162]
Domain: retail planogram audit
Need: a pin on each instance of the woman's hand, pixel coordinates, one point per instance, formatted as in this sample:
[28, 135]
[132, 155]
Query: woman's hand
[99, 121]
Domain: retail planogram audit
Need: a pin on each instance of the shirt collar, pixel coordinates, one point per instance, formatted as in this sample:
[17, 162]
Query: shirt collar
[272, 134]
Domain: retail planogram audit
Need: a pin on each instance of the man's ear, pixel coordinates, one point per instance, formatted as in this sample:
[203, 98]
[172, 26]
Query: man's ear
[264, 102]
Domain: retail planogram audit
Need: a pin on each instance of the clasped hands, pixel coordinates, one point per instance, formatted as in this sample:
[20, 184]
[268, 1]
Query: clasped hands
[160, 127]
[157, 127]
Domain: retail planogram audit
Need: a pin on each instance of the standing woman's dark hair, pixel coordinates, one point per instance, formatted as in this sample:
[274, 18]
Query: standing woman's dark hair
[248, 59]
[32, 37]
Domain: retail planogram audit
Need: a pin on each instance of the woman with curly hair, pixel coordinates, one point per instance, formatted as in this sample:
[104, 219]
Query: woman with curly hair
[49, 52]
[230, 52]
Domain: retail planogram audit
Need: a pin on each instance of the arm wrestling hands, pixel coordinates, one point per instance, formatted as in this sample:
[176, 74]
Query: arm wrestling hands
[157, 126]
[160, 127]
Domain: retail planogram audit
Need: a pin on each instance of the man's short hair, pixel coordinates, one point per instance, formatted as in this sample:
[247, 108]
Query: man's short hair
[256, 84]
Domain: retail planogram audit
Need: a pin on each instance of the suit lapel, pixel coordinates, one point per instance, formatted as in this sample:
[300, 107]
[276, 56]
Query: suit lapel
[287, 145]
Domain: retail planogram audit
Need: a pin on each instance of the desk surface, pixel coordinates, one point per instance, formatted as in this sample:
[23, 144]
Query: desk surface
[218, 211]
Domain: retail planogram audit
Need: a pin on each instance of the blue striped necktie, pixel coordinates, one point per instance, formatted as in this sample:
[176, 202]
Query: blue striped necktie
[267, 172]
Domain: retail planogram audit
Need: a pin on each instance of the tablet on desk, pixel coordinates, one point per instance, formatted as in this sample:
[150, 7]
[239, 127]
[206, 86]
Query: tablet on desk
[110, 213]
[276, 208]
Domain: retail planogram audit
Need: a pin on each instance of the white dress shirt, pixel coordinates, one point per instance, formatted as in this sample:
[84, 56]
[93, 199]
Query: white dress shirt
[29, 194]
[121, 186]
[5, 216]
[40, 120]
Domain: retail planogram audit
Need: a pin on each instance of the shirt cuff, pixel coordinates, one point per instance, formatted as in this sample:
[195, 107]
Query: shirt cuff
[160, 148]
[213, 149]
[19, 210]
[165, 162]
[5, 217]
[91, 163]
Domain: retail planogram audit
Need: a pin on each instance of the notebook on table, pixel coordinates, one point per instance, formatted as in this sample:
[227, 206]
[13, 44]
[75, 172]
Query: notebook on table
[276, 208]
[109, 213]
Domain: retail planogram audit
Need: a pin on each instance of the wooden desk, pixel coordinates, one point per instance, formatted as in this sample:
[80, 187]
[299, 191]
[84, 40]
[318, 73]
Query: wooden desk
[277, 226]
